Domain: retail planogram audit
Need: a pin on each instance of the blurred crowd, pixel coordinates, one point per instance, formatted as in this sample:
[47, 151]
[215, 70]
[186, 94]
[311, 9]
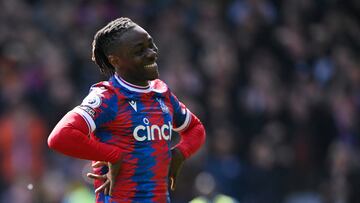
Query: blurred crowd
[275, 82]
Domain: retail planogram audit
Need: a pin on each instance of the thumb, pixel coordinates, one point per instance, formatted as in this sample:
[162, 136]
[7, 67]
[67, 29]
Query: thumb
[114, 172]
[112, 184]
[172, 183]
[99, 164]
[172, 176]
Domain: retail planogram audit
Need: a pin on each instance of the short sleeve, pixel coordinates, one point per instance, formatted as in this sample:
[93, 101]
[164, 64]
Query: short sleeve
[98, 107]
[181, 114]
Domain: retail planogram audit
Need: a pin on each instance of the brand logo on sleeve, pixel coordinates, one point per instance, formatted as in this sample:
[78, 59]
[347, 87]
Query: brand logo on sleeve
[149, 132]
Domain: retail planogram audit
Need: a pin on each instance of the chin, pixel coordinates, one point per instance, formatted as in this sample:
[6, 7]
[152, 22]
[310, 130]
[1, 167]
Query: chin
[153, 76]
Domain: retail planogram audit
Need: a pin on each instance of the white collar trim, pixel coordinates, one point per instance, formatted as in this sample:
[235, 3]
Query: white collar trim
[133, 87]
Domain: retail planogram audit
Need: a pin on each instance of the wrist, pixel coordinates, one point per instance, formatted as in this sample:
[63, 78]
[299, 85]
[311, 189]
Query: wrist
[114, 153]
[176, 151]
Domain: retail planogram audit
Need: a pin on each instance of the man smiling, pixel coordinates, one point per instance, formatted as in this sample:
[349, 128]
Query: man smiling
[127, 121]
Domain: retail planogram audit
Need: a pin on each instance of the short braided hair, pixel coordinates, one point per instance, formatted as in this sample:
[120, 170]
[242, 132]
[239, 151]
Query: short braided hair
[103, 42]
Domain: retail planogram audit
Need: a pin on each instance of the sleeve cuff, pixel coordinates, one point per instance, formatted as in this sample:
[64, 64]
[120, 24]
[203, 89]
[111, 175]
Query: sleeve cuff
[182, 150]
[185, 124]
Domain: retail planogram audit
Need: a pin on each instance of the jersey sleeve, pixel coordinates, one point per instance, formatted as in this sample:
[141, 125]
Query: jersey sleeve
[100, 106]
[181, 114]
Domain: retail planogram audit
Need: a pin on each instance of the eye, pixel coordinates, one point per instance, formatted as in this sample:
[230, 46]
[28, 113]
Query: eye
[139, 51]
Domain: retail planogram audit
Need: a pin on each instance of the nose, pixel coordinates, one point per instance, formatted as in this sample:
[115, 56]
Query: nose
[152, 54]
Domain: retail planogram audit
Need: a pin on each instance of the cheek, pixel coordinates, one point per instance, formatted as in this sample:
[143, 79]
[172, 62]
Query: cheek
[138, 61]
[133, 62]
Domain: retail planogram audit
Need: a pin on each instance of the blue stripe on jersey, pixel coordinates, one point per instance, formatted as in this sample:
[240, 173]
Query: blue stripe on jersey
[142, 150]
[103, 198]
[103, 135]
[116, 84]
[179, 118]
[146, 162]
[165, 119]
[111, 109]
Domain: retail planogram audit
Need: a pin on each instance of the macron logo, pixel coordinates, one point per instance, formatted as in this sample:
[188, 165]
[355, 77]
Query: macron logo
[133, 105]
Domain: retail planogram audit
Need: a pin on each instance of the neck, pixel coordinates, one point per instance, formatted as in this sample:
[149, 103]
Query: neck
[134, 82]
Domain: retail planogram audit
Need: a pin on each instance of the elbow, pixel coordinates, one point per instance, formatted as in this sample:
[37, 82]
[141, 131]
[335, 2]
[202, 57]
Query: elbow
[55, 137]
[199, 129]
[52, 141]
[201, 133]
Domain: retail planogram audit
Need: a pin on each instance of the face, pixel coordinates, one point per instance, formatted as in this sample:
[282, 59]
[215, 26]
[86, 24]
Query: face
[134, 57]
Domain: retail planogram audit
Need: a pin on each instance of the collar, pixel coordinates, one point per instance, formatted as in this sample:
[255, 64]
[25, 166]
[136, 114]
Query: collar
[132, 87]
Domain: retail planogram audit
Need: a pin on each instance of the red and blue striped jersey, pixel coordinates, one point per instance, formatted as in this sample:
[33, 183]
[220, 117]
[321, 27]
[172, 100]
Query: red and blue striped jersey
[140, 121]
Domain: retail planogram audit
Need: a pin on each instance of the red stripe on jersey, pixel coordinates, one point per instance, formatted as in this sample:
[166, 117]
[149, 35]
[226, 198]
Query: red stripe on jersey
[162, 161]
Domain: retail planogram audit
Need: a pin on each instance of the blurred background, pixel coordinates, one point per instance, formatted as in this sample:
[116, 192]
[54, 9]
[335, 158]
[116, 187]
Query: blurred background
[276, 83]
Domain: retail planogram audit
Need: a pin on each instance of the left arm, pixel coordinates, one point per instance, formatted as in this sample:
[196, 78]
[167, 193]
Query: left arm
[192, 138]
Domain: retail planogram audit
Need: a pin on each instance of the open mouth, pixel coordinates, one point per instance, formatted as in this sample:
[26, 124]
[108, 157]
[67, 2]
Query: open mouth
[153, 65]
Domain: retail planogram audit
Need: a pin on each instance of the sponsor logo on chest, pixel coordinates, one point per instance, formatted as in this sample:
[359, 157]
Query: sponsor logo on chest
[149, 132]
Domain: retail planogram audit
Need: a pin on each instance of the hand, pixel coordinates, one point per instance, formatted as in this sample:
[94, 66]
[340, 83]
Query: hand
[176, 163]
[108, 186]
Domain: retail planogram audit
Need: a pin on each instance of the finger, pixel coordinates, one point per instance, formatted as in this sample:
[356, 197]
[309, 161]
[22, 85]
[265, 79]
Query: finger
[111, 187]
[106, 191]
[99, 164]
[102, 187]
[95, 176]
[172, 183]
[173, 176]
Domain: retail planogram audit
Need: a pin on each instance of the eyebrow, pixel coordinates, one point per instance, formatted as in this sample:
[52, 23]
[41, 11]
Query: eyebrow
[138, 45]
[150, 40]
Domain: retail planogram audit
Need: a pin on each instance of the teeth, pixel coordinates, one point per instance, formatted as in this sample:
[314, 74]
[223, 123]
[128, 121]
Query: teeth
[150, 65]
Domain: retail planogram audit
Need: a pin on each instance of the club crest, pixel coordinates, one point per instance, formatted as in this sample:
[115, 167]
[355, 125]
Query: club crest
[163, 107]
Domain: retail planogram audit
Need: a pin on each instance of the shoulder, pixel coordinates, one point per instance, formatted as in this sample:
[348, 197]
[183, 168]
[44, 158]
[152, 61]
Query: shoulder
[159, 86]
[99, 93]
[102, 85]
[103, 88]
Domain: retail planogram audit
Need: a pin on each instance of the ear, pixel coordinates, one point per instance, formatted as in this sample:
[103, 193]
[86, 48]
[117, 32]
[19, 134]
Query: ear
[114, 61]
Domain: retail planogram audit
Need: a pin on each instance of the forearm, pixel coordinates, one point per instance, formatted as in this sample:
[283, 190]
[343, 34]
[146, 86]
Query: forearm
[192, 138]
[70, 137]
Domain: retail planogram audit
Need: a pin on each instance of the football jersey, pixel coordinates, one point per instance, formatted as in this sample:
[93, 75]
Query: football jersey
[140, 121]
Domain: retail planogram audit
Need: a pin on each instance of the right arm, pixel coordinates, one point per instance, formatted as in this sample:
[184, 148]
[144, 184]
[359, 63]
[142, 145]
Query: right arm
[70, 137]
